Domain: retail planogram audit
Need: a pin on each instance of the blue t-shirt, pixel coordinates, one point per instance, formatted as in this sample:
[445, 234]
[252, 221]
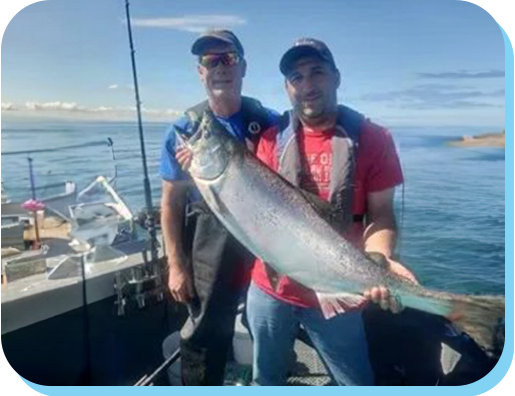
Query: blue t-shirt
[171, 170]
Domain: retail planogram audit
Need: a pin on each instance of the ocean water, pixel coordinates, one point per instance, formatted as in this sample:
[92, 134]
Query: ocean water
[450, 211]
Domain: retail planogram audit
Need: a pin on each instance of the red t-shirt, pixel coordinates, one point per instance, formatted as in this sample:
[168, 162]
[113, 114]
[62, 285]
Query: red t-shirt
[377, 168]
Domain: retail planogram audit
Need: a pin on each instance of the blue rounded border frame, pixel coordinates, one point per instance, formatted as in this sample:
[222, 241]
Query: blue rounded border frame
[476, 388]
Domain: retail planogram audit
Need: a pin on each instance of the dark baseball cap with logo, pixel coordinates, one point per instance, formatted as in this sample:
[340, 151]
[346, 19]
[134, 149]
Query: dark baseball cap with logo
[305, 47]
[202, 43]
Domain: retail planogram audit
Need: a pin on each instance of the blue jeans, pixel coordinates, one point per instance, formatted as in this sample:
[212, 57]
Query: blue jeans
[274, 324]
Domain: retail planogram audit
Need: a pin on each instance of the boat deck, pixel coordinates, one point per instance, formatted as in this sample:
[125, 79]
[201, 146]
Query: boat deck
[52, 227]
[308, 369]
[34, 298]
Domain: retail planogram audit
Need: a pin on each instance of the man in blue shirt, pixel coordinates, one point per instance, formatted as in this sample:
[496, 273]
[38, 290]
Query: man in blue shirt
[204, 260]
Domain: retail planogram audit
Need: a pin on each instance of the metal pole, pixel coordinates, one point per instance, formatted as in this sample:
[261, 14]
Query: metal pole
[33, 192]
[86, 375]
[115, 177]
[31, 176]
[146, 380]
[150, 221]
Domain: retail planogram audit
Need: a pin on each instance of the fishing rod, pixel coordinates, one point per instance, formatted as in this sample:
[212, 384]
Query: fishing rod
[146, 380]
[150, 219]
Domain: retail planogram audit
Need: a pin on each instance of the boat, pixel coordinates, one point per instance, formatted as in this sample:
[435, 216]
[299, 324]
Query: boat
[91, 301]
[4, 195]
[55, 203]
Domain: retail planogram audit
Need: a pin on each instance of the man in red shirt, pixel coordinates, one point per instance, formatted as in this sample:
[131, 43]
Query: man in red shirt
[336, 154]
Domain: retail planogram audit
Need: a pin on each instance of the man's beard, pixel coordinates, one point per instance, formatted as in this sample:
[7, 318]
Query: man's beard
[310, 112]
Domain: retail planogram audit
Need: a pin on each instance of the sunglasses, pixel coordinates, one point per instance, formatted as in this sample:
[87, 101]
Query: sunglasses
[210, 61]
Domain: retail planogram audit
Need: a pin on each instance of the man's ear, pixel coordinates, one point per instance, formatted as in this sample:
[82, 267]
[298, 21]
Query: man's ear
[244, 68]
[201, 72]
[338, 78]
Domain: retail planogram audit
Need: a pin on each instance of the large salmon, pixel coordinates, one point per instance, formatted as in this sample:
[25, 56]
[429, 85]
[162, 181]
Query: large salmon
[279, 225]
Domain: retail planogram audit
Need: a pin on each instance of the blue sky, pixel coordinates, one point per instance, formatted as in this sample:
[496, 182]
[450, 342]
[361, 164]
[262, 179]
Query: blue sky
[424, 62]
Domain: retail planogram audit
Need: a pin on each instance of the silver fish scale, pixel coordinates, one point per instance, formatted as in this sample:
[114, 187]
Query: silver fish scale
[283, 229]
[278, 225]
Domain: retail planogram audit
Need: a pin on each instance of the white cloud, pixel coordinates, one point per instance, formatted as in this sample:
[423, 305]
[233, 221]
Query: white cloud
[8, 106]
[124, 88]
[173, 112]
[192, 23]
[72, 109]
[52, 106]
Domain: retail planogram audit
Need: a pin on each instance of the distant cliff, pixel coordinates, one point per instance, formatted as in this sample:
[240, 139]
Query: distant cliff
[483, 140]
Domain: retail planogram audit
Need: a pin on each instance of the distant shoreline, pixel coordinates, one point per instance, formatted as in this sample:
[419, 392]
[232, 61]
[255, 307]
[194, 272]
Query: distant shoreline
[483, 140]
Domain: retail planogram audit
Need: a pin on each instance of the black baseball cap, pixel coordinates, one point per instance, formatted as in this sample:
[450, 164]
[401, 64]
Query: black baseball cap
[220, 35]
[305, 47]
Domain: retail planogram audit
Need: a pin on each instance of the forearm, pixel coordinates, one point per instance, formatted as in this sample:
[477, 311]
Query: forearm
[172, 233]
[173, 206]
[381, 236]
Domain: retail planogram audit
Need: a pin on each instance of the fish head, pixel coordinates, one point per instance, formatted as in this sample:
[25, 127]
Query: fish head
[211, 148]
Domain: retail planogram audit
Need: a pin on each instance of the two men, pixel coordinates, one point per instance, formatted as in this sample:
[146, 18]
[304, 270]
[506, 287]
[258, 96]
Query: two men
[206, 264]
[306, 147]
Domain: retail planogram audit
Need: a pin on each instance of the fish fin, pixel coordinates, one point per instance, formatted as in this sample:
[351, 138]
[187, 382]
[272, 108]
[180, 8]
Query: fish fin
[220, 206]
[377, 258]
[182, 136]
[322, 207]
[482, 318]
[334, 304]
[326, 210]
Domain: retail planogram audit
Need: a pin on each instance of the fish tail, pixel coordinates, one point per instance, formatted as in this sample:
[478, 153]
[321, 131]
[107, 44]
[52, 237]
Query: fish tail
[481, 317]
